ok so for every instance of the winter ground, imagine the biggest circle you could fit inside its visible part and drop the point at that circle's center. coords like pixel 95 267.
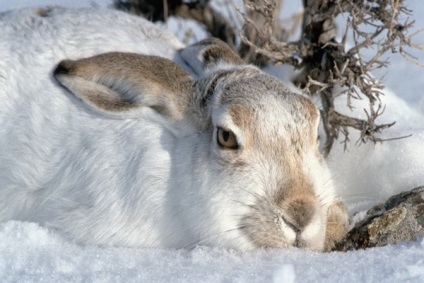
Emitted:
pixel 366 174
pixel 29 253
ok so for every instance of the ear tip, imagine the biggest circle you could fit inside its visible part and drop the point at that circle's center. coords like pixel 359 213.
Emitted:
pixel 63 68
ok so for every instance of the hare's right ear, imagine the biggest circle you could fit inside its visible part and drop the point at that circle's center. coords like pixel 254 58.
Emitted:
pixel 121 85
pixel 209 54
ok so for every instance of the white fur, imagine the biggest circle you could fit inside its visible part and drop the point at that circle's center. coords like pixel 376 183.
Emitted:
pixel 55 157
pixel 120 182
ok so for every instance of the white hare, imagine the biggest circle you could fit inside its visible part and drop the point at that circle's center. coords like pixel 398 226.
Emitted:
pixel 129 149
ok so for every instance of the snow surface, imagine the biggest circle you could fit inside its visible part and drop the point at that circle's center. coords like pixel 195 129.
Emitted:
pixel 30 253
pixel 367 174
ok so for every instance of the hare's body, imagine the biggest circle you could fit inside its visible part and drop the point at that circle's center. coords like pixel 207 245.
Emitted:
pixel 48 141
pixel 146 174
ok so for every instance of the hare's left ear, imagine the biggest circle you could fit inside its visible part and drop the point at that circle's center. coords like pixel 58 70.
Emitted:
pixel 122 84
pixel 209 54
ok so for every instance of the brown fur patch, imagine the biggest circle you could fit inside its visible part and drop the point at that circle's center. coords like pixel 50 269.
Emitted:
pixel 45 11
pixel 242 116
pixel 108 104
pixel 312 115
pixel 300 208
pixel 337 224
pixel 215 50
pixel 216 54
pixel 152 81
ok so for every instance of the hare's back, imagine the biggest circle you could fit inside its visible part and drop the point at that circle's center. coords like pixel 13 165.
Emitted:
pixel 33 41
pixel 43 129
pixel 82 32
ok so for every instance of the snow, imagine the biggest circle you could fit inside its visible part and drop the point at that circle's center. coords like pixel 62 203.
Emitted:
pixel 370 173
pixel 30 253
pixel 17 4
pixel 367 174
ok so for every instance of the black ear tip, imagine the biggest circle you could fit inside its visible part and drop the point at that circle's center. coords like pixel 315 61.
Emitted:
pixel 63 67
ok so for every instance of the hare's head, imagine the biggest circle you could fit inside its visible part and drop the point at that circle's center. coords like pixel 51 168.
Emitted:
pixel 248 171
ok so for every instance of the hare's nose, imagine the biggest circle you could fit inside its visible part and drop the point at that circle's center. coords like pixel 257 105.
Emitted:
pixel 299 213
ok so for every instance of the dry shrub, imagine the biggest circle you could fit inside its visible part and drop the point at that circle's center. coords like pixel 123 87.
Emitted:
pixel 326 63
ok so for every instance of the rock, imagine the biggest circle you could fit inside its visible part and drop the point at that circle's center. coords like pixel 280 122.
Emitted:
pixel 399 219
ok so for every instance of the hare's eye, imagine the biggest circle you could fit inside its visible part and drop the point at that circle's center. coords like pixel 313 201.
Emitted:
pixel 227 139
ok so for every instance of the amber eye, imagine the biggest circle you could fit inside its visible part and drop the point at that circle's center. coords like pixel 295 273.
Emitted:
pixel 227 139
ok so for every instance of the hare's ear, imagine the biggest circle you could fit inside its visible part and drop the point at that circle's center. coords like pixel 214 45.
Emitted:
pixel 121 85
pixel 208 54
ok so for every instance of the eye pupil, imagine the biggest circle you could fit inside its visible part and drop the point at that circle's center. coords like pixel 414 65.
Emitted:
pixel 226 139
pixel 225 135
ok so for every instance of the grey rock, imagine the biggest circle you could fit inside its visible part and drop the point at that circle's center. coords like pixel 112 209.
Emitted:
pixel 399 219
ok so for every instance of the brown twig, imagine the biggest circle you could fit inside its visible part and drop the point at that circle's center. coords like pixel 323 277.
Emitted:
pixel 326 64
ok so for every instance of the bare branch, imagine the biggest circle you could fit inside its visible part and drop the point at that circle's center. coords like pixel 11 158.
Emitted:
pixel 326 68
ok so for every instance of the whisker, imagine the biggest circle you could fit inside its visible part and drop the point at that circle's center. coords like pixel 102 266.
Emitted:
pixel 360 198
pixel 255 195
pixel 242 203
pixel 240 227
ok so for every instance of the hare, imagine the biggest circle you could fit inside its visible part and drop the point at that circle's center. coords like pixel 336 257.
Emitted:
pixel 114 133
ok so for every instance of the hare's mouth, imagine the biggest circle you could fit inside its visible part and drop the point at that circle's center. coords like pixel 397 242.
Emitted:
pixel 268 226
